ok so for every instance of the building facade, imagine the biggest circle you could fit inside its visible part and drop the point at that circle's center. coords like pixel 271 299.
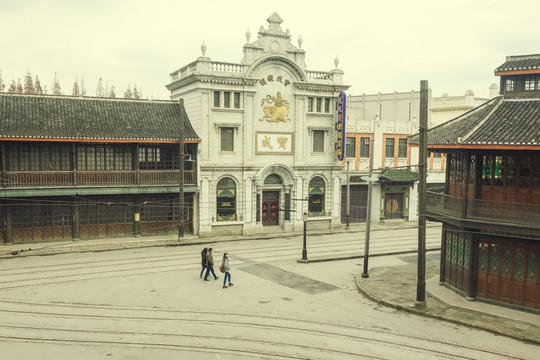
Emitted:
pixel 75 167
pixel 381 123
pixel 490 209
pixel 268 127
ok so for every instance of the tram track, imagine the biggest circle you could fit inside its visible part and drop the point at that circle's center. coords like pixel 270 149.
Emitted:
pixel 279 331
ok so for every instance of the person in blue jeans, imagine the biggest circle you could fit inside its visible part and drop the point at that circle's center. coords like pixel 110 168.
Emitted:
pixel 210 266
pixel 225 263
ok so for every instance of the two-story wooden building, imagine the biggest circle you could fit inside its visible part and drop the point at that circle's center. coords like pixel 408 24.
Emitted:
pixel 491 206
pixel 77 167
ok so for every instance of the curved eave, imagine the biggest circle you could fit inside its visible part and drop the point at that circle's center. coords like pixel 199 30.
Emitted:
pixel 483 146
pixel 98 140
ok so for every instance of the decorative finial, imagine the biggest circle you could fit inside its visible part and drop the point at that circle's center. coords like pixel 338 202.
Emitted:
pixel 300 41
pixel 261 29
pixel 203 49
pixel 248 35
pixel 336 61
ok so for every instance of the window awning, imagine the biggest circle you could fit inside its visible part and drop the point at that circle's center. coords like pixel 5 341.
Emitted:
pixel 225 192
pixel 316 190
pixel 399 175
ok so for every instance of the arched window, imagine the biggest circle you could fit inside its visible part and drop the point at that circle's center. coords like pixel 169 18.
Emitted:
pixel 226 200
pixel 316 197
pixel 273 179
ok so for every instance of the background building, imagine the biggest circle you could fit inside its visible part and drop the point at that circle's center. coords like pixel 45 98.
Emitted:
pixel 267 126
pixel 381 123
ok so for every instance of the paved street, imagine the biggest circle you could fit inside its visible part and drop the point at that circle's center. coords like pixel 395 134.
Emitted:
pixel 150 302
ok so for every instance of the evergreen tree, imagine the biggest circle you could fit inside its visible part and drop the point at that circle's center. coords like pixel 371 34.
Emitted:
pixel 45 89
pixel 75 91
pixel 56 90
pixel 19 87
pixel 37 86
pixel 135 92
pixel 112 94
pixel 2 84
pixel 29 84
pixel 128 94
pixel 99 88
pixel 12 87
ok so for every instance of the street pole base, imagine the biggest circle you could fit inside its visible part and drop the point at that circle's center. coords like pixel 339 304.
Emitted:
pixel 420 305
pixel 365 275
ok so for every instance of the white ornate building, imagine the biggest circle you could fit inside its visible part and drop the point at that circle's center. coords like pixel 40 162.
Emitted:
pixel 267 129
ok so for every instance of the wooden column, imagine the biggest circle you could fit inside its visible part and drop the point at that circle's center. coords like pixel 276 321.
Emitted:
pixel 76 223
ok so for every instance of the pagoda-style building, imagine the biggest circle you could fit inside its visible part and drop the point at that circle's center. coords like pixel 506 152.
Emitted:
pixel 490 208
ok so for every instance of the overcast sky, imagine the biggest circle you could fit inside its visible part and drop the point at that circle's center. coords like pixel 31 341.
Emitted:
pixel 382 45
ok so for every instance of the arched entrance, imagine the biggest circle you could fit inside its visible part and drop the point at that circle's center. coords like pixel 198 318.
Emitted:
pixel 274 184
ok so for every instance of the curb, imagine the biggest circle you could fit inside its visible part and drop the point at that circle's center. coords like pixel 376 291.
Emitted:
pixel 426 313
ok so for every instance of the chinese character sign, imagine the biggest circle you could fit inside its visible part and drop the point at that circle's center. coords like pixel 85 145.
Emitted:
pixel 340 125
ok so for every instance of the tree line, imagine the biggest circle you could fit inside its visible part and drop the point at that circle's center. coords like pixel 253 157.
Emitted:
pixel 33 86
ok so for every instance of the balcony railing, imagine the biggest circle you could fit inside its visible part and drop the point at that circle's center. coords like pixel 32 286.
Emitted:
pixel 483 210
pixel 24 179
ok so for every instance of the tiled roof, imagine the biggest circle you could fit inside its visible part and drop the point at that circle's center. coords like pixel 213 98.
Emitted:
pixel 513 122
pixel 399 175
pixel 517 63
pixel 84 118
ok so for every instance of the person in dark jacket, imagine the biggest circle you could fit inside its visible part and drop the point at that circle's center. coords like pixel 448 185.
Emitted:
pixel 203 260
pixel 227 268
pixel 210 265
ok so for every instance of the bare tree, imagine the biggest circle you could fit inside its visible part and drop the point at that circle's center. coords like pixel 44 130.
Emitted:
pixel 37 86
pixel 2 84
pixel 128 94
pixel 29 84
pixel 12 87
pixel 76 91
pixel 19 87
pixel 56 90
pixel 112 94
pixel 99 89
pixel 135 92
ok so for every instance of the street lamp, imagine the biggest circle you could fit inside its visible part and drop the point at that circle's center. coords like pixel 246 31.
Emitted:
pixel 304 250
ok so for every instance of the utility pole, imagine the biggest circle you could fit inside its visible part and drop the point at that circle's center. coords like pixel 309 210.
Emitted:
pixel 422 154
pixel 181 185
pixel 348 196
pixel 368 213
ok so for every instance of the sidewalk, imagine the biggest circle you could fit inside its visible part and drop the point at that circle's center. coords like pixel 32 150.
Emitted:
pixel 126 242
pixel 396 287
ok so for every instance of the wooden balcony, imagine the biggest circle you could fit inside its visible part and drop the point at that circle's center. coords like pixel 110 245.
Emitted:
pixel 444 207
pixel 59 179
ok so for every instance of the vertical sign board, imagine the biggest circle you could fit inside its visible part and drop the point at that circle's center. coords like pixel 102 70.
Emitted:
pixel 340 125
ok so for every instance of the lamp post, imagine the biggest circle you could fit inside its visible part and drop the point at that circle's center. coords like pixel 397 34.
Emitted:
pixel 304 250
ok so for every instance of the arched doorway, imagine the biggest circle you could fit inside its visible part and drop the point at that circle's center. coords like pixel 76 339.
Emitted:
pixel 270 200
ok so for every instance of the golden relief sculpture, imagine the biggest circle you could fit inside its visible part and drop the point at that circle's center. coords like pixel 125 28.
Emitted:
pixel 277 109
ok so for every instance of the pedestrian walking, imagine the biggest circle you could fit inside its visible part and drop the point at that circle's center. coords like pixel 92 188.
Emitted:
pixel 227 268
pixel 203 260
pixel 210 265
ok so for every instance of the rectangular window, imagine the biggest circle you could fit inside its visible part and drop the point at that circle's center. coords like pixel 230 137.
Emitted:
pixel 402 150
pixel 319 104
pixel 237 100
pixel 364 147
pixel 318 140
pixel 327 105
pixel 350 147
pixel 389 148
pixel 530 83
pixel 217 99
pixel 509 86
pixel 310 104
pixel 227 99
pixel 227 139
